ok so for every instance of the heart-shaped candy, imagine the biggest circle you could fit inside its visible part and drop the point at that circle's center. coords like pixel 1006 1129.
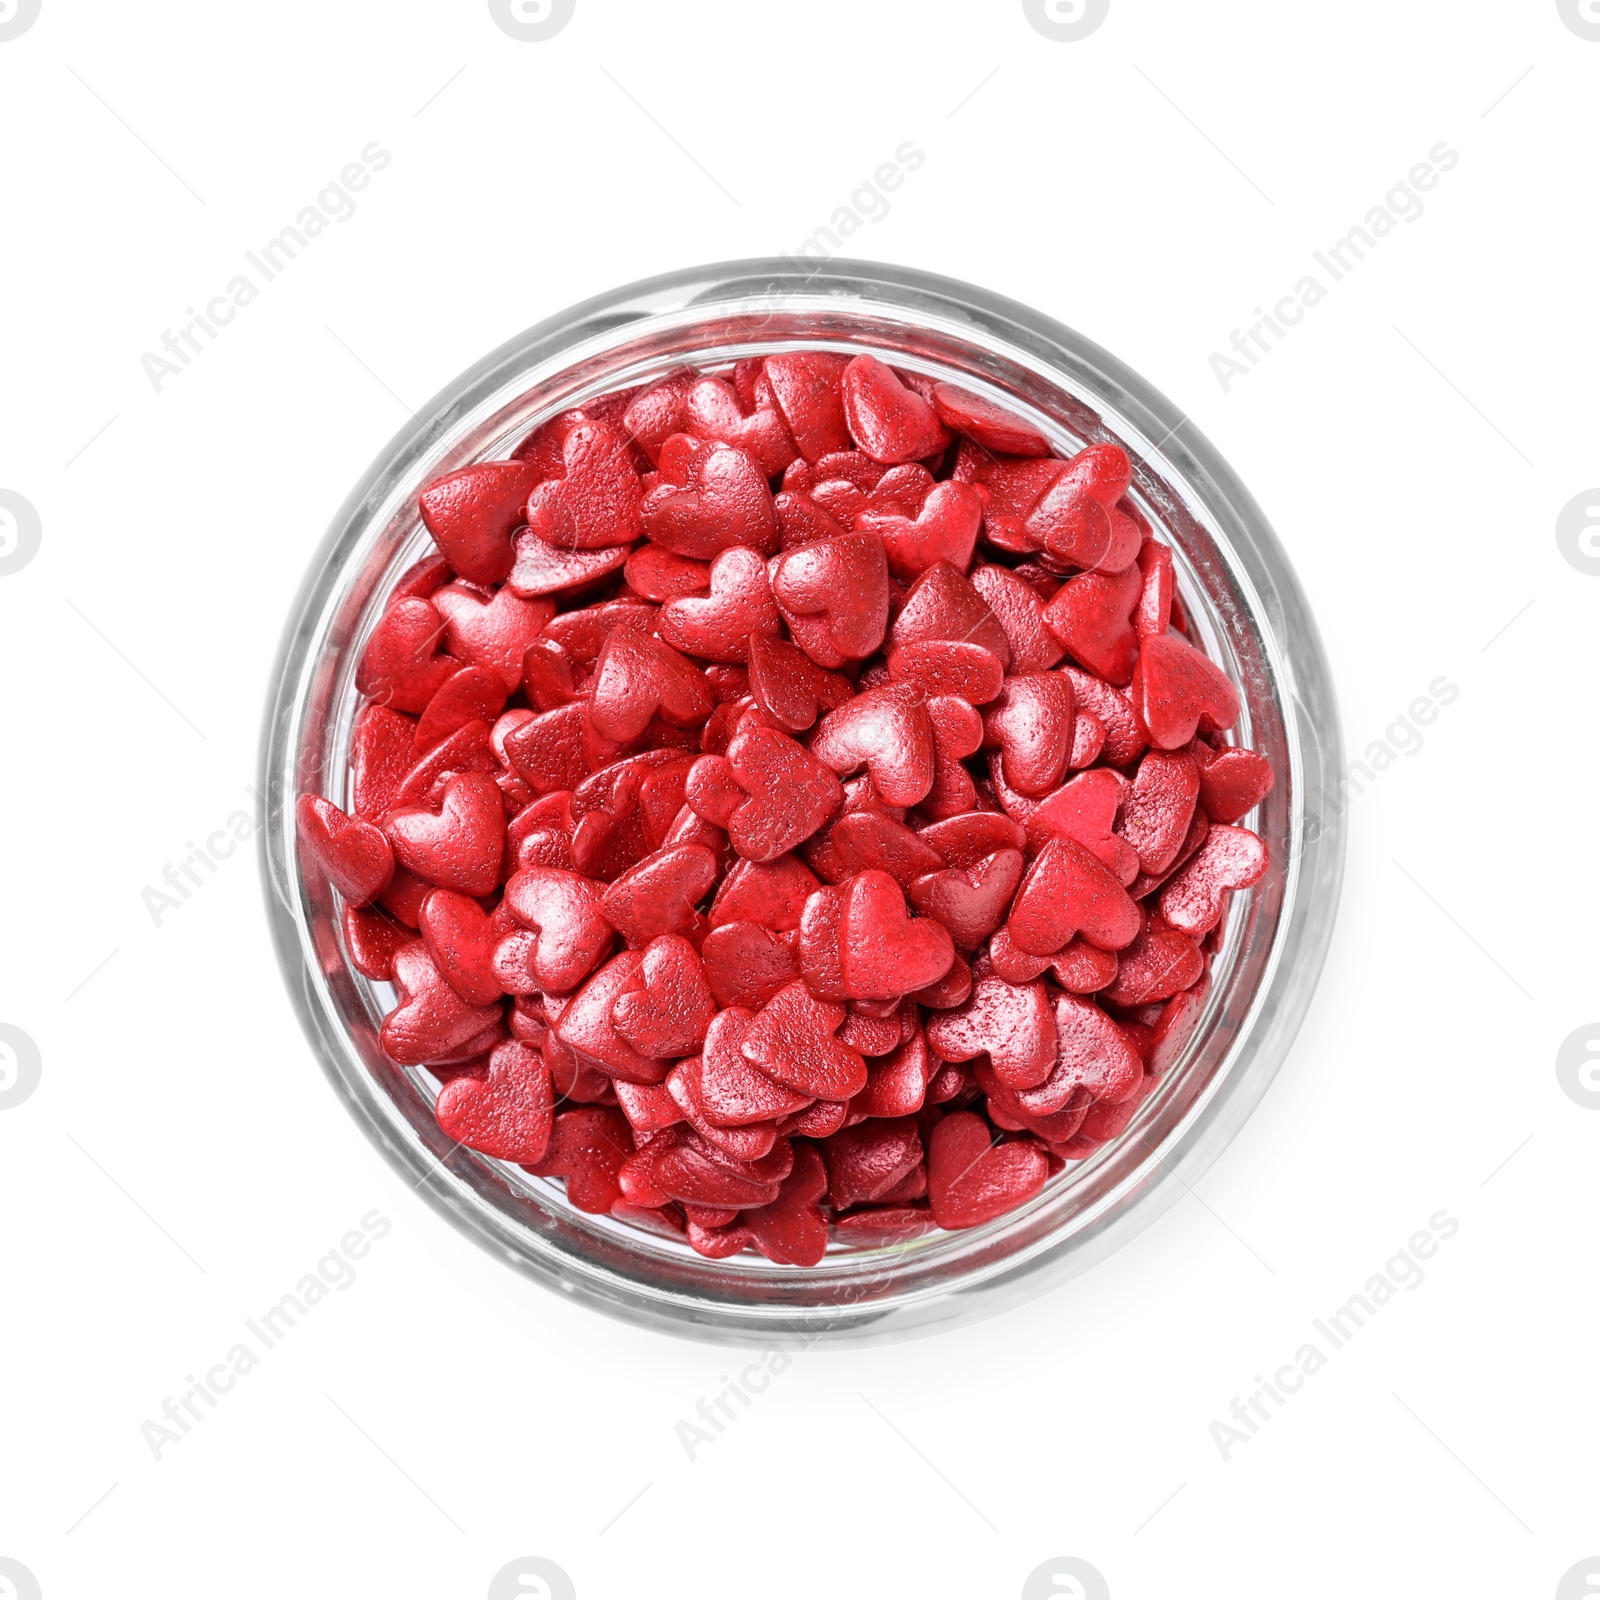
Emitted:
pixel 864 840
pixel 459 846
pixel 1233 782
pixel 886 730
pixel 790 793
pixel 897 1084
pixel 801 520
pixel 844 584
pixel 965 841
pixel 669 1015
pixel 658 574
pixel 947 667
pixel 1067 891
pixel 588 1028
pixel 890 422
pixel 432 1019
pixel 713 413
pixel 538 568
pixel 1032 724
pixel 1021 614
pixel 733 1091
pixel 474 694
pixel 461 937
pixel 1124 739
pixel 884 952
pixel 1086 809
pixel 1083 969
pixel 986 423
pixel 1193 898
pixel 723 500
pixel 1076 530
pixel 401 666
pixel 941 604
pixel 471 515
pixel 588 1146
pixel 1160 963
pixel 747 964
pixel 687 1174
pixel 788 685
pixel 944 528
pixel 1093 1053
pixel 1176 690
pixel 355 855
pixel 655 413
pixel 718 626
pixel 1091 615
pixel 1159 807
pixel 805 385
pixel 597 502
pixel 493 634
pixel 1153 614
pixel 1012 1023
pixel 507 1114
pixel 771 894
pixel 547 751
pixel 566 931
pixel 970 901
pixel 867 1161
pixel 382 752
pixel 974 1177
pixel 792 1230
pixel 372 940
pixel 792 1041
pixel 638 677
pixel 658 895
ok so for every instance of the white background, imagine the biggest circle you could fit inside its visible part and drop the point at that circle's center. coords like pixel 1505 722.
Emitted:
pixel 183 1163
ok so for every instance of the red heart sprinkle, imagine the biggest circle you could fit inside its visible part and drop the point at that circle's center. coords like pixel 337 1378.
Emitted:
pixel 431 1019
pixel 986 423
pixel 459 846
pixel 1193 898
pixel 596 503
pixel 884 952
pixel 354 854
pixel 471 515
pixel 1068 891
pixel 887 731
pixel 718 626
pixel 973 1178
pixel 722 501
pixel 461 937
pixel 507 1114
pixel 1012 1023
pixel 792 1041
pixel 842 582
pixel 1176 690
pixel 890 422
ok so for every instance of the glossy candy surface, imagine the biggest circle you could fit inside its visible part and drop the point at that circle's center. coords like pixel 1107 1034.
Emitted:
pixel 785 810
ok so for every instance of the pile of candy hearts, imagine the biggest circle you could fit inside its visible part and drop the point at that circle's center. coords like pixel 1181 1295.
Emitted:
pixel 789 807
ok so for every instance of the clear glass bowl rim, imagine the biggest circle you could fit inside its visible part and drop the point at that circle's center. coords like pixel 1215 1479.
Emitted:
pixel 750 1303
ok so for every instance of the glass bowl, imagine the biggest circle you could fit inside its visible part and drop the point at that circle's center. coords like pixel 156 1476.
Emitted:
pixel 1246 609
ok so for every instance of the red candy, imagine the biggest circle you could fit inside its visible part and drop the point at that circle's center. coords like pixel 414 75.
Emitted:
pixel 785 810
